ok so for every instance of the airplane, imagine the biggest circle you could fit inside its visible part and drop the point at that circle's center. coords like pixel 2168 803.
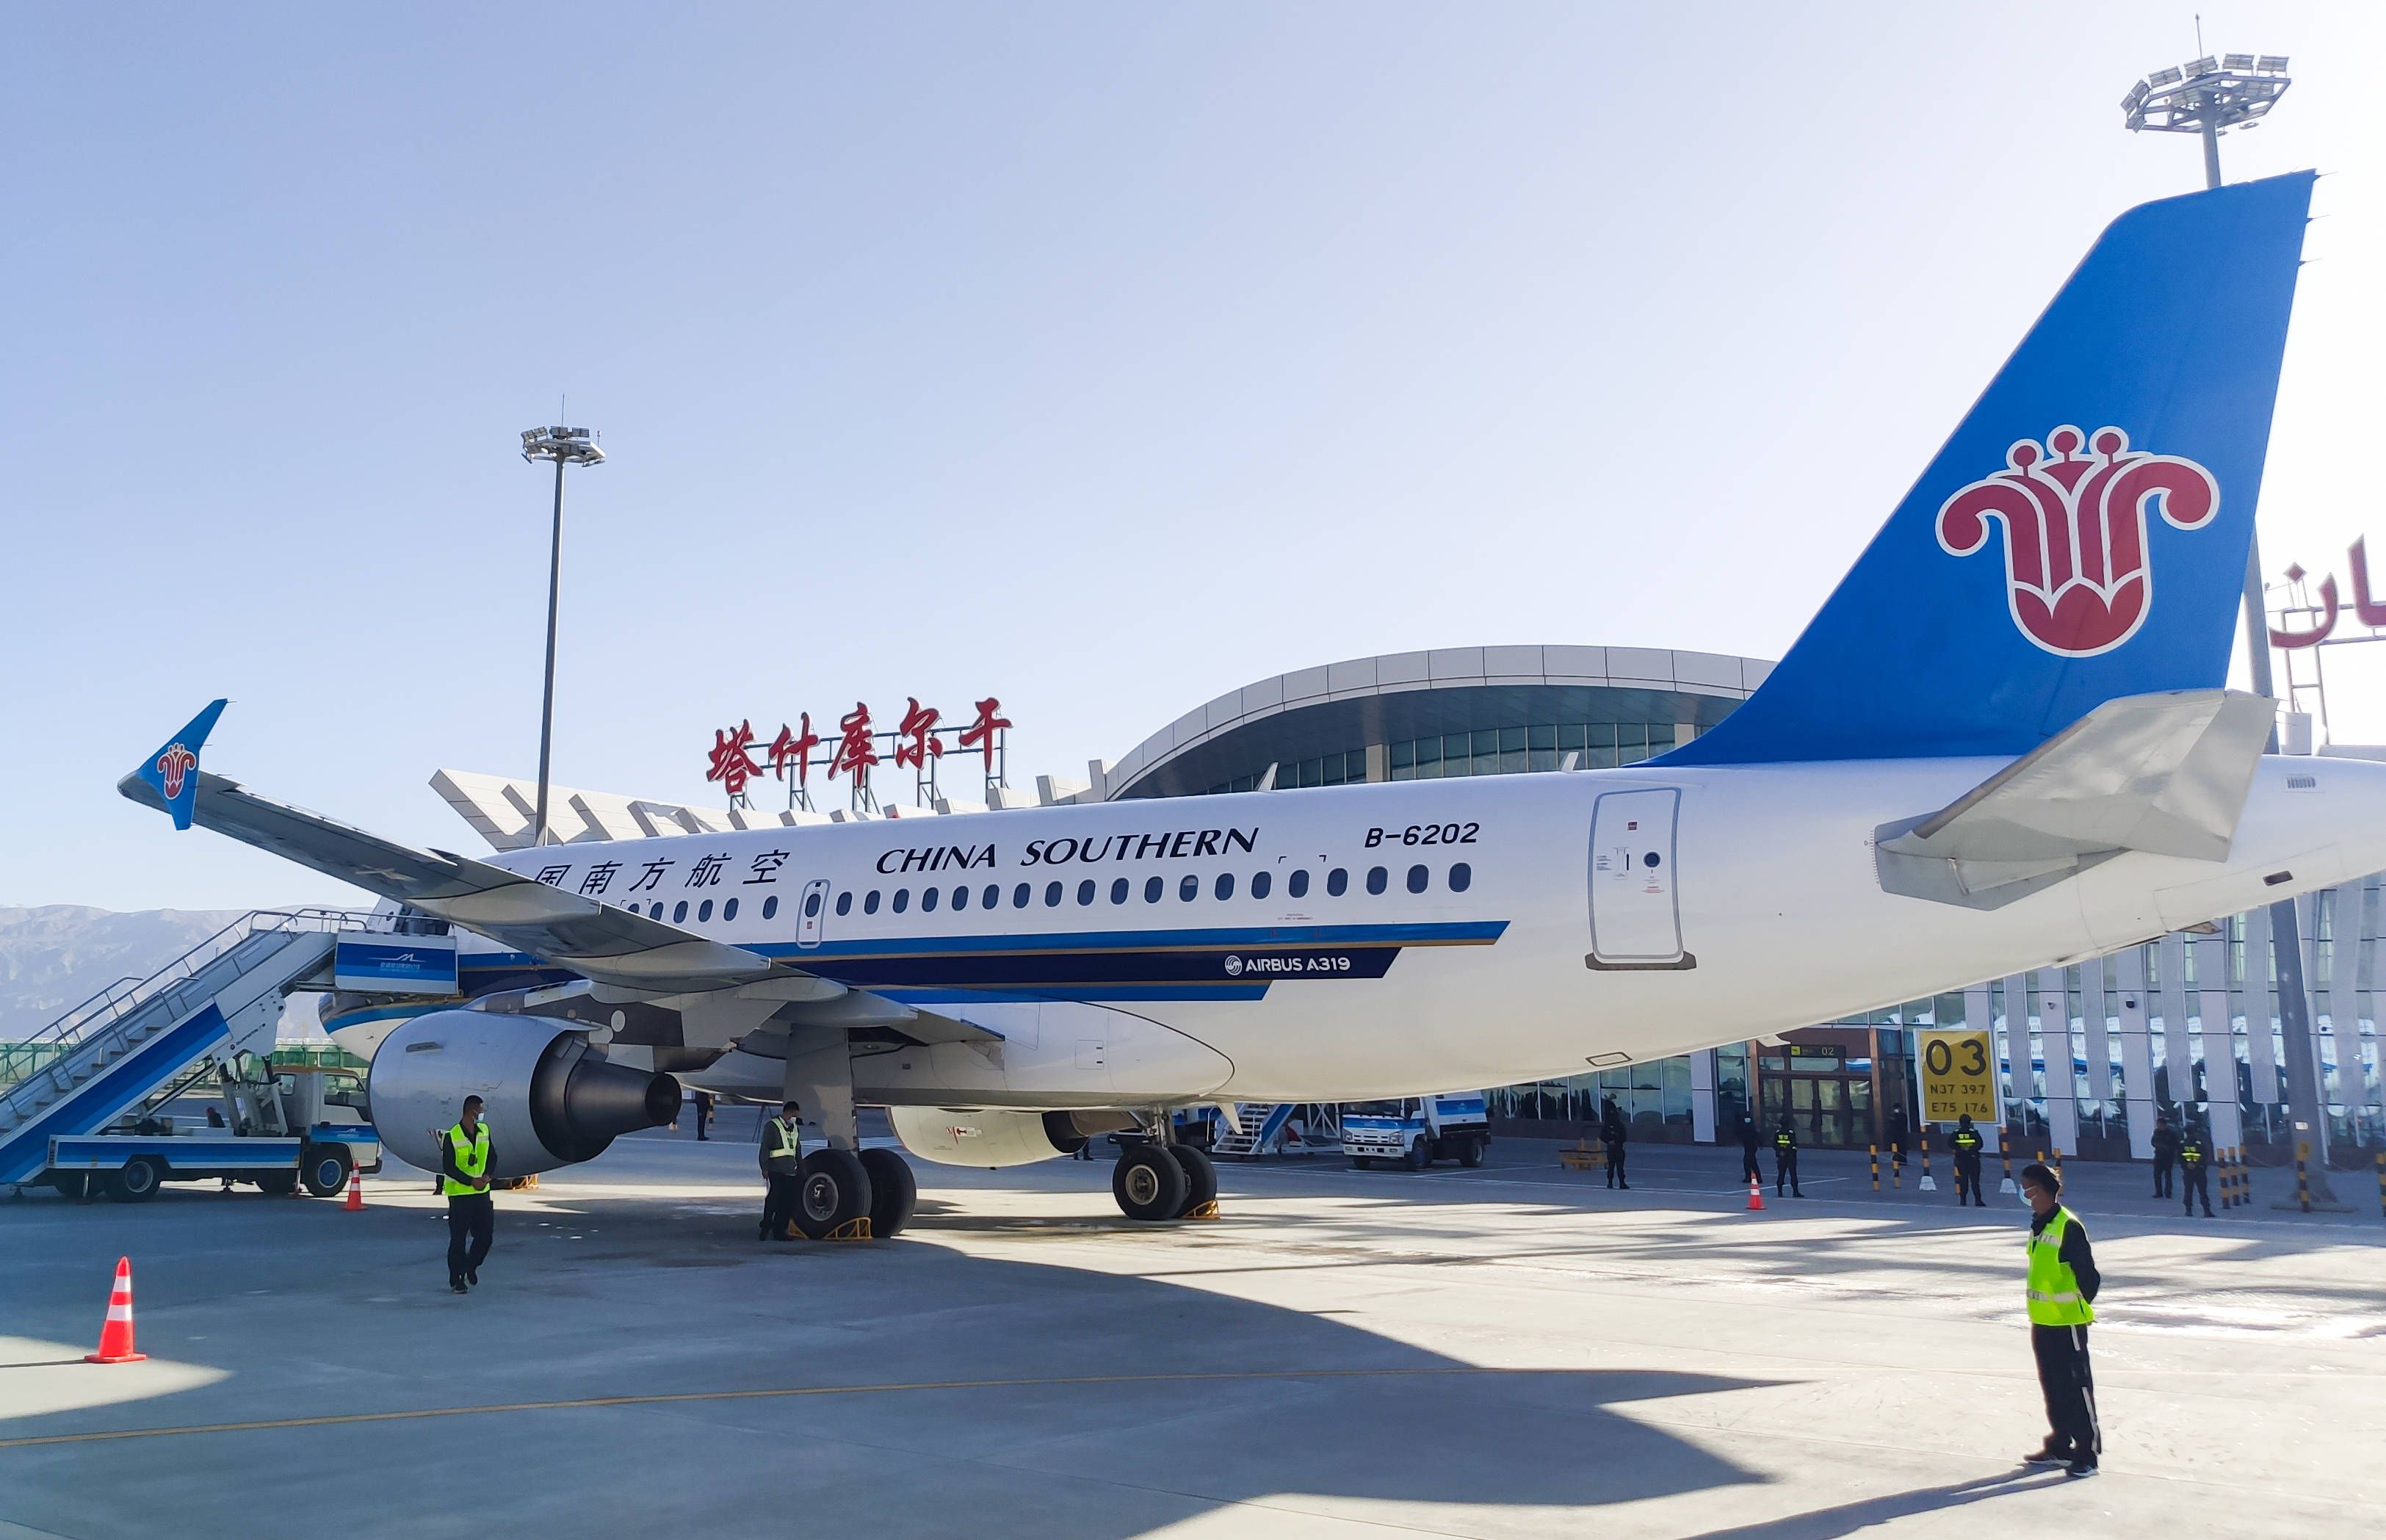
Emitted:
pixel 2004 743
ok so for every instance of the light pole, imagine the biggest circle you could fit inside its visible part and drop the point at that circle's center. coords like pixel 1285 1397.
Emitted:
pixel 564 446
pixel 2207 97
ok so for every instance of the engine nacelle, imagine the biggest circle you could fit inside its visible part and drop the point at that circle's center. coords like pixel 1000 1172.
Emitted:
pixel 990 1139
pixel 547 1097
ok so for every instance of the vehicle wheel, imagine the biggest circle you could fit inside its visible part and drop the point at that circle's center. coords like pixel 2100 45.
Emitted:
pixel 1419 1155
pixel 832 1188
pixel 324 1170
pixel 278 1183
pixel 1470 1153
pixel 1149 1183
pixel 1363 1163
pixel 894 1192
pixel 138 1181
pixel 1201 1177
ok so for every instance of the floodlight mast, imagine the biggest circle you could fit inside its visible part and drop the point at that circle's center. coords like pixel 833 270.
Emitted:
pixel 2208 96
pixel 564 446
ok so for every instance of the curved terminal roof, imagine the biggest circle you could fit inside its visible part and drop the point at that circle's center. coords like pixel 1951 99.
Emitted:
pixel 1338 707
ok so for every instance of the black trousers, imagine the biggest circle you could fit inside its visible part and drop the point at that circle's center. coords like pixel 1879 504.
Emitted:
pixel 2161 1176
pixel 471 1218
pixel 1785 1169
pixel 1615 1165
pixel 1968 1179
pixel 779 1204
pixel 2070 1391
pixel 2198 1184
pixel 1749 1170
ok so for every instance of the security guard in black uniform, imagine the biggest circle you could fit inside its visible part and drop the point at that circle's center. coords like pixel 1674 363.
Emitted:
pixel 1784 1158
pixel 2195 1173
pixel 782 1158
pixel 1968 1143
pixel 464 1178
pixel 1750 1140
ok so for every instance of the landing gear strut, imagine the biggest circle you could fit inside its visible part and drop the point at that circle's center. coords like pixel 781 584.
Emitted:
pixel 1163 1182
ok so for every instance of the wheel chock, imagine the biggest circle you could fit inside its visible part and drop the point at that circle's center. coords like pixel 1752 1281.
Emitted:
pixel 1207 1209
pixel 852 1230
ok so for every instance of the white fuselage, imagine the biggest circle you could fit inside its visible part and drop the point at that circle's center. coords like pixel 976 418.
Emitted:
pixel 1759 913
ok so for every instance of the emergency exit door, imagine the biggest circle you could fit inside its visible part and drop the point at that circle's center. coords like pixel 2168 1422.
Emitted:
pixel 1636 916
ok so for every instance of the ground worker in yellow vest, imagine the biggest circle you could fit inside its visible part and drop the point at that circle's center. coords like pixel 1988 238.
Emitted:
pixel 1968 1144
pixel 2195 1170
pixel 464 1177
pixel 782 1158
pixel 2062 1287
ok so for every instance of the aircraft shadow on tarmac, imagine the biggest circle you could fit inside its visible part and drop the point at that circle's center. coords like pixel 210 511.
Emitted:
pixel 1182 1395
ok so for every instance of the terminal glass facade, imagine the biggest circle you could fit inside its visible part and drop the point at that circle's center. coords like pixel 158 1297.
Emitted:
pixel 1535 746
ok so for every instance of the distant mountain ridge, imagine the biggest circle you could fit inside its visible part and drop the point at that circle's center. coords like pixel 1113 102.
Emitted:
pixel 55 956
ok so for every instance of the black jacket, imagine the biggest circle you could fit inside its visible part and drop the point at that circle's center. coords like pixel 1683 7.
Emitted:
pixel 1751 1139
pixel 2077 1254
pixel 447 1167
pixel 2166 1142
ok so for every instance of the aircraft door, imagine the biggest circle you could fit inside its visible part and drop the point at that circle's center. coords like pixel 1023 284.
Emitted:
pixel 1635 918
pixel 815 902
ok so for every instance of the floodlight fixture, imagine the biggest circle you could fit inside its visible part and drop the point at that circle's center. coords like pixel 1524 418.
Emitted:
pixel 2207 96
pixel 564 446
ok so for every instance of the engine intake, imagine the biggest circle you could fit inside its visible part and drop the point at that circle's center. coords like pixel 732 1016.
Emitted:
pixel 548 1099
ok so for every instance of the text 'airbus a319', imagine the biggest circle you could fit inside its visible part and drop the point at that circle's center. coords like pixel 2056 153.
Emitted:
pixel 2002 744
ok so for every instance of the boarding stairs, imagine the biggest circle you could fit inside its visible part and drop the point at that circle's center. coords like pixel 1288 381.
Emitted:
pixel 1264 1123
pixel 114 1052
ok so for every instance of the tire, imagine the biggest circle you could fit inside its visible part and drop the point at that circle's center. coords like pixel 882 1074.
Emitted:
pixel 832 1188
pixel 1470 1153
pixel 1420 1154
pixel 1149 1183
pixel 278 1183
pixel 324 1169
pixel 138 1181
pixel 894 1192
pixel 1201 1177
pixel 1363 1163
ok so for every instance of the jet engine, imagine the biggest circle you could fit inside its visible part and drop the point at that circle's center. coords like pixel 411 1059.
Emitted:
pixel 990 1139
pixel 547 1097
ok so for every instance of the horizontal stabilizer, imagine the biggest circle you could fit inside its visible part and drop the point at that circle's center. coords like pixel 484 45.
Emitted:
pixel 2165 773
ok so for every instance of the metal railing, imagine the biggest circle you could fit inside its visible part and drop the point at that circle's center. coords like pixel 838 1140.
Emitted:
pixel 50 1047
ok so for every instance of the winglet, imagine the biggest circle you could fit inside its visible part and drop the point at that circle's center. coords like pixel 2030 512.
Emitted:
pixel 173 771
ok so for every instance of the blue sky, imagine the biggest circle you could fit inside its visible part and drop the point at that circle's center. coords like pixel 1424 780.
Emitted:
pixel 1100 359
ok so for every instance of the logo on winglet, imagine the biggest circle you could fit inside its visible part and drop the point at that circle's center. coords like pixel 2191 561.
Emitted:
pixel 2077 578
pixel 173 764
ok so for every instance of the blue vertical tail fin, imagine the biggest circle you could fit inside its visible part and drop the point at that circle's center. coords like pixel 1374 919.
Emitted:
pixel 173 771
pixel 2084 532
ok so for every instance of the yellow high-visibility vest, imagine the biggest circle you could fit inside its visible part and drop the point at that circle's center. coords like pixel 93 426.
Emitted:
pixel 2055 1297
pixel 471 1151
pixel 787 1140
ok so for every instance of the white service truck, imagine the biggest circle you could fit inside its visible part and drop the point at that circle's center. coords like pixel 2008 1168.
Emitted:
pixel 1415 1132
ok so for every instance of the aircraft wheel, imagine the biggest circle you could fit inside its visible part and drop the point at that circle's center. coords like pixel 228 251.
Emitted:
pixel 894 1192
pixel 1201 1177
pixel 832 1188
pixel 1149 1183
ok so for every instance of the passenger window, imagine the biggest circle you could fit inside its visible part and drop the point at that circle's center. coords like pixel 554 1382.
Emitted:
pixel 927 900
pixel 1462 877
pixel 1190 888
pixel 903 899
pixel 729 910
pixel 679 911
pixel 1418 878
pixel 1224 888
pixel 703 911
pixel 1260 882
pixel 960 898
pixel 1019 897
pixel 771 905
pixel 1298 883
pixel 1152 890
pixel 811 907
pixel 1337 881
pixel 1118 890
pixel 843 904
pixel 1377 878
pixel 869 905
pixel 1051 896
pixel 1085 891
pixel 991 897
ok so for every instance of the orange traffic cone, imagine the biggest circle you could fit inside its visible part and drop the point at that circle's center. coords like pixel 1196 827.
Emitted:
pixel 356 1203
pixel 116 1337
pixel 1756 1198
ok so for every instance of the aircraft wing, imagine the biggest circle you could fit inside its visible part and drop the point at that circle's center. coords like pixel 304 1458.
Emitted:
pixel 2165 773
pixel 610 945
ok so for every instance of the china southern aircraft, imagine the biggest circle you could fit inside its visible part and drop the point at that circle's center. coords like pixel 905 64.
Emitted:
pixel 2003 744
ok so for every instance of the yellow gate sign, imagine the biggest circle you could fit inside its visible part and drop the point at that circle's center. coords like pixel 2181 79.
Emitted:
pixel 1958 1076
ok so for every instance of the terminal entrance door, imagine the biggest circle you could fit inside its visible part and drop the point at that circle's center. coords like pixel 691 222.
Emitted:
pixel 1829 1105
pixel 1635 918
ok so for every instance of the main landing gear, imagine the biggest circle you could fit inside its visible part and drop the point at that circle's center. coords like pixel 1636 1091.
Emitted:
pixel 1164 1181
pixel 835 1187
